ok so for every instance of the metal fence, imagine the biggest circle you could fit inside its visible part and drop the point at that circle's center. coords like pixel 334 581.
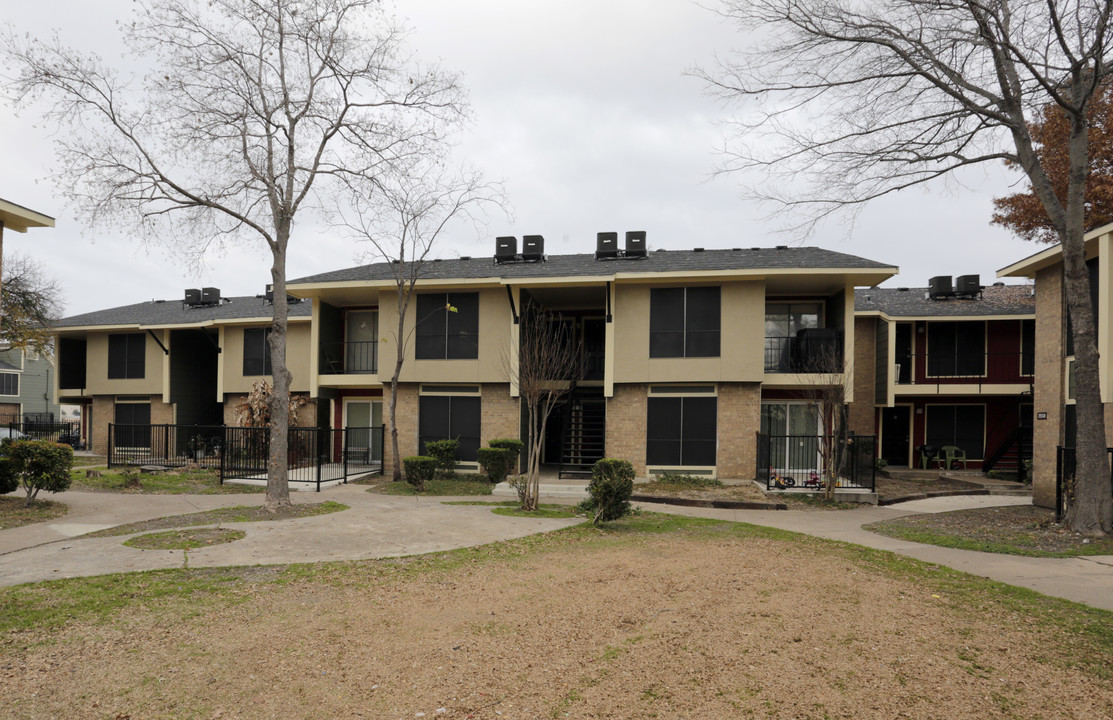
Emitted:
pixel 63 432
pixel 314 455
pixel 1064 478
pixel 797 461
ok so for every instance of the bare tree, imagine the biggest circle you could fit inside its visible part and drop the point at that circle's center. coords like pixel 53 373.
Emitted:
pixel 250 112
pixel 30 302
pixel 827 378
pixel 848 102
pixel 546 369
pixel 402 215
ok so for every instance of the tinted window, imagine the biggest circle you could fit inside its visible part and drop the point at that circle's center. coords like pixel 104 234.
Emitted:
pixel 956 349
pixel 126 356
pixel 256 351
pixel 9 384
pixel 684 322
pixel 443 417
pixel 447 326
pixel 959 425
pixel 681 431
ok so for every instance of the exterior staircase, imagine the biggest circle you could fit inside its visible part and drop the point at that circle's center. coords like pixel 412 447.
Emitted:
pixel 584 433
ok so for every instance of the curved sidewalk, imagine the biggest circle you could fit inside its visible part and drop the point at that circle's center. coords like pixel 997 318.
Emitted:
pixel 1087 580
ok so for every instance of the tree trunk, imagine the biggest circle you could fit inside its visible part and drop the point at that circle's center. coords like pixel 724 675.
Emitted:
pixel 399 358
pixel 1090 511
pixel 278 487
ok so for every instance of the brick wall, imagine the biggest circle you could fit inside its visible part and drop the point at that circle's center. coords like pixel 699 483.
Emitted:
pixel 738 421
pixel 104 413
pixel 626 425
pixel 861 413
pixel 500 413
pixel 1049 393
pixel 407 424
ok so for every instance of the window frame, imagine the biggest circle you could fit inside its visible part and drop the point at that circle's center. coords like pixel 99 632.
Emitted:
pixel 254 358
pixel 127 356
pixel 691 326
pixel 957 407
pixel 687 405
pixel 959 346
pixel 443 335
pixel 3 378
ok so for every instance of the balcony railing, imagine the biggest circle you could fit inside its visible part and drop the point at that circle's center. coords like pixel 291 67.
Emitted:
pixel 798 461
pixel 809 351
pixel 349 358
pixel 964 367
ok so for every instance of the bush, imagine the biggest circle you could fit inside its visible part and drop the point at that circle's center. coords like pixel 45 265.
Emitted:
pixel 514 445
pixel 35 464
pixel 880 463
pixel 418 469
pixel 495 462
pixel 612 483
pixel 444 453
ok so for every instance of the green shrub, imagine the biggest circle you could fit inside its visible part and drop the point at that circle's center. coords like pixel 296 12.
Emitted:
pixel 418 469
pixel 35 464
pixel 674 478
pixel 514 445
pixel 880 463
pixel 443 452
pixel 495 462
pixel 612 483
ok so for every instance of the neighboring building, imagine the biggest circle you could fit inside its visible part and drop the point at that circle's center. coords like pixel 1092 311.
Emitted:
pixel 174 362
pixel 946 366
pixel 1056 423
pixel 26 387
pixel 20 219
pixel 689 353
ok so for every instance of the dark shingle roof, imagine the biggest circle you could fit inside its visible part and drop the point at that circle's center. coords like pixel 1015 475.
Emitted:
pixel 914 302
pixel 587 265
pixel 156 313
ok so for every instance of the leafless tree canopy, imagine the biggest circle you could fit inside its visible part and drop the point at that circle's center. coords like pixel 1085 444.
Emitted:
pixel 250 113
pixel 843 101
pixel 30 303
pixel 860 99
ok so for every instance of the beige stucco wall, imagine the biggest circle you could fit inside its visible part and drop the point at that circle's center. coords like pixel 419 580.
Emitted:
pixel 96 363
pixel 495 327
pixel 741 355
pixel 298 347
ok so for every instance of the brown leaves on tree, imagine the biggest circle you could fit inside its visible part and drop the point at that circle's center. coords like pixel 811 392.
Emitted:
pixel 1023 213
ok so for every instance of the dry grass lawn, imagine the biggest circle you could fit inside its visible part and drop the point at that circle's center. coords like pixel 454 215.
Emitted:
pixel 711 621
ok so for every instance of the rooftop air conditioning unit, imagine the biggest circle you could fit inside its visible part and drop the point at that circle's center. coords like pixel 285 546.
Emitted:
pixel 193 297
pixel 968 285
pixel 606 245
pixel 506 249
pixel 635 243
pixel 210 296
pixel 940 287
pixel 533 247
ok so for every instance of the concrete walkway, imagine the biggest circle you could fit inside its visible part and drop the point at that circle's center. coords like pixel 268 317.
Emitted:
pixel 384 526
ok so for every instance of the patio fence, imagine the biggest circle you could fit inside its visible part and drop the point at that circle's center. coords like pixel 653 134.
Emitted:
pixel 1064 478
pixel 314 455
pixel 63 432
pixel 797 461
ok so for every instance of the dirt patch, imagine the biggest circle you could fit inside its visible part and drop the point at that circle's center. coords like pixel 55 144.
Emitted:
pixel 1017 530
pixel 13 514
pixel 223 515
pixel 185 539
pixel 670 626
pixel 891 487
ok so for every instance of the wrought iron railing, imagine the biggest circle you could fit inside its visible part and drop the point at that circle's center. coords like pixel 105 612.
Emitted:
pixel 314 455
pixel 814 461
pixel 63 432
pixel 349 358
pixel 965 367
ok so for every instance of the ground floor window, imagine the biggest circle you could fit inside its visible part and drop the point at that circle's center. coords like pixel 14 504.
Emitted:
pixel 793 430
pixel 681 431
pixel 443 417
pixel 133 421
pixel 960 425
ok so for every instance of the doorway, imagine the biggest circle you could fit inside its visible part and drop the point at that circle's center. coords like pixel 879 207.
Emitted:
pixel 896 434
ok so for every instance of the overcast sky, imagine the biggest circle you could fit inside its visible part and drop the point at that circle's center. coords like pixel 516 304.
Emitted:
pixel 583 108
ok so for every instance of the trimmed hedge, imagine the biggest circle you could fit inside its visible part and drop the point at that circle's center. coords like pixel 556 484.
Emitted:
pixel 443 452
pixel 418 469
pixel 612 483
pixel 495 462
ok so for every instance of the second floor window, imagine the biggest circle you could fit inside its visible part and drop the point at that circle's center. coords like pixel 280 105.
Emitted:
pixel 447 326
pixel 9 384
pixel 127 355
pixel 256 351
pixel 684 322
pixel 956 349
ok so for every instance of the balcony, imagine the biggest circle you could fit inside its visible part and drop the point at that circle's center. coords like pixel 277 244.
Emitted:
pixel 350 358
pixel 965 368
pixel 813 350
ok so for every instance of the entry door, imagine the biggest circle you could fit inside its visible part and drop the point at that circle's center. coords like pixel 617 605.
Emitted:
pixel 896 425
pixel 364 417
